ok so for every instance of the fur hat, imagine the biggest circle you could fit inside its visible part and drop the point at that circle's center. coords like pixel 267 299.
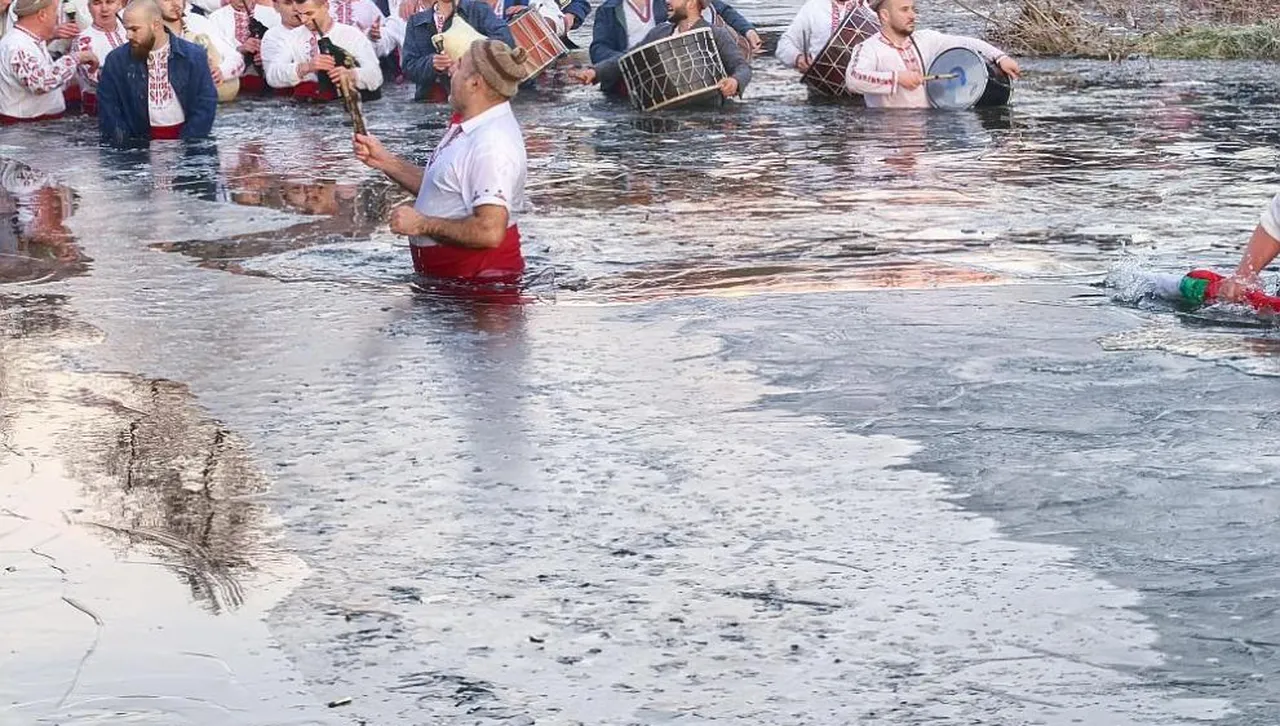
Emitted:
pixel 500 66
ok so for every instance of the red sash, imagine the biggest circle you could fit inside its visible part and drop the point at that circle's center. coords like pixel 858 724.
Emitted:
pixel 252 84
pixel 503 263
pixel 71 95
pixel 166 133
pixel 10 120
pixel 89 103
pixel 310 91
pixel 437 93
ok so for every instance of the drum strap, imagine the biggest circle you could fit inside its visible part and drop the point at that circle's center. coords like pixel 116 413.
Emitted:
pixel 919 55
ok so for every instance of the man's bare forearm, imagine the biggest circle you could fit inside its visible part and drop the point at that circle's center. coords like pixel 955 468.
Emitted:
pixel 475 232
pixel 405 174
pixel 1261 251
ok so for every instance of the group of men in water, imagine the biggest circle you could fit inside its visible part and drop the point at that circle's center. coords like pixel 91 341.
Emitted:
pixel 156 69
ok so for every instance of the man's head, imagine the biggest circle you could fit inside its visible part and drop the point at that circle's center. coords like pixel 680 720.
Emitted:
pixel 37 16
pixel 678 11
pixel 171 11
pixel 143 26
pixel 487 74
pixel 104 12
pixel 314 13
pixel 898 16
pixel 288 10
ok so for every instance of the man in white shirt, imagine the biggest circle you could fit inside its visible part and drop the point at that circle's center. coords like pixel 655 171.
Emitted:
pixel 277 50
pixel 889 68
pixel 810 30
pixel 31 82
pixel 243 24
pixel 322 46
pixel 225 63
pixel 1263 247
pixel 462 225
pixel 103 36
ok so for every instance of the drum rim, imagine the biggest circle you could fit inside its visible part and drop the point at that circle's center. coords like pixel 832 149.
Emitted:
pixel 562 51
pixel 983 62
pixel 682 97
pixel 668 39
pixel 806 76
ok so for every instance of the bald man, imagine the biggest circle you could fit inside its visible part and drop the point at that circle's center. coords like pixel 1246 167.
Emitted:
pixel 157 87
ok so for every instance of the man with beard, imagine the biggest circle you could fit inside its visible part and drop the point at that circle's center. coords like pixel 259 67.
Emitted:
pixel 31 82
pixel 462 225
pixel 158 86
pixel 889 68
pixel 683 16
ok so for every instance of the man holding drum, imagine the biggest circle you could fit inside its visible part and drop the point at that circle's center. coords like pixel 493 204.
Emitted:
pixel 462 225
pixel 810 30
pixel 889 68
pixel 683 16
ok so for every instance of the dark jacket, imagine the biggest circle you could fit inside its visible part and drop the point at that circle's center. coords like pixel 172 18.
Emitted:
pixel 609 34
pixel 579 9
pixel 609 74
pixel 418 53
pixel 123 115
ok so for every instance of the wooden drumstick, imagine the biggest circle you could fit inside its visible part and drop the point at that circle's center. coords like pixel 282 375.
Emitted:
pixel 942 77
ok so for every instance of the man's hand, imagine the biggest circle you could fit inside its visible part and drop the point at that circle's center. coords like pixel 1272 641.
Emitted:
pixel 757 45
pixel 405 220
pixel 251 45
pixel 569 20
pixel 1234 288
pixel 342 76
pixel 909 80
pixel 1010 67
pixel 322 63
pixel 585 76
pixel 372 153
pixel 66 31
pixel 217 75
pixel 442 63
pixel 804 63
pixel 87 59
pixel 728 86
pixel 407 9
pixel 513 10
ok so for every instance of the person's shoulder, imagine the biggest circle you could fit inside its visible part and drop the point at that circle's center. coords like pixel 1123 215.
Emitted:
pixel 222 12
pixel 117 57
pixel 422 17
pixel 609 5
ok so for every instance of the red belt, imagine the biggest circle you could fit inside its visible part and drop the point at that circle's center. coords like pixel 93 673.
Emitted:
pixel 503 263
pixel 252 84
pixel 166 133
pixel 71 94
pixel 89 103
pixel 311 91
pixel 9 120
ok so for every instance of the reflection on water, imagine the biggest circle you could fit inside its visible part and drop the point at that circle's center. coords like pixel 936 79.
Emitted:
pixel 35 243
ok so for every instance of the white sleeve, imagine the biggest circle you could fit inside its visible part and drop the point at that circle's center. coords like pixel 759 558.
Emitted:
pixel 369 74
pixel 1271 218
pixel 791 42
pixel 226 30
pixel 939 42
pixel 280 61
pixel 232 65
pixel 490 178
pixel 863 74
pixel 395 28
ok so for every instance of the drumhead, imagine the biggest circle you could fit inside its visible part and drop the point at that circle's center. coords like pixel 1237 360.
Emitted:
pixel 966 88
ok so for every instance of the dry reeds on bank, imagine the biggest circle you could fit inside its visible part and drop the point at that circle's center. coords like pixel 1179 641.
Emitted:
pixel 1114 29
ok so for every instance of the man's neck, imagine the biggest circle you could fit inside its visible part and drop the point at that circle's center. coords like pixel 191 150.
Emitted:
pixel 162 42
pixel 109 26
pixel 174 26
pixel 479 107
pixel 32 29
pixel 895 37
pixel 685 24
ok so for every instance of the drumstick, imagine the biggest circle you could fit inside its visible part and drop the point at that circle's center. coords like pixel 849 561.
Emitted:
pixel 942 77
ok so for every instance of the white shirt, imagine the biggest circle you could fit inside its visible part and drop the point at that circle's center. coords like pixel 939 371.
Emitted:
pixel 280 57
pixel 83 19
pixel 638 26
pixel 31 82
pixel 1271 218
pixel 231 63
pixel 364 15
pixel 99 42
pixel 233 26
pixel 876 62
pixel 163 108
pixel 811 28
pixel 479 161
pixel 305 45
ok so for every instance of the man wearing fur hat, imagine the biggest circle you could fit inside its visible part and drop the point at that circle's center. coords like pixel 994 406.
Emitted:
pixel 31 82
pixel 462 225
pixel 682 17
pixel 889 68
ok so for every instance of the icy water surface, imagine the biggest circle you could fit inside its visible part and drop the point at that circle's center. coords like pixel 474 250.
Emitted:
pixel 811 416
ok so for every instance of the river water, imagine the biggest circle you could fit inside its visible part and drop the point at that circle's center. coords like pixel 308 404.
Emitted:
pixel 806 415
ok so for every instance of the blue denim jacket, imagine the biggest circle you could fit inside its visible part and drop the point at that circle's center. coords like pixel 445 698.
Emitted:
pixel 123 113
pixel 609 34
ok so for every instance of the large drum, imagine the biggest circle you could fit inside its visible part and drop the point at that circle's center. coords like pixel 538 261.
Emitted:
pixel 677 70
pixel 826 75
pixel 968 80
pixel 539 41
